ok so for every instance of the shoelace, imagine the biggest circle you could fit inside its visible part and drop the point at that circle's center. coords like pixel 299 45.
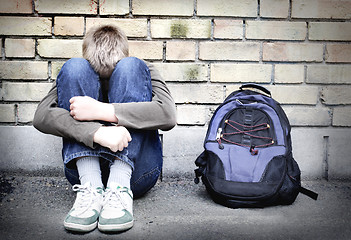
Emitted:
pixel 86 196
pixel 113 198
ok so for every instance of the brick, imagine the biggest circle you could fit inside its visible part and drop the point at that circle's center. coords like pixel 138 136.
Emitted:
pixel 339 166
pixel 180 28
pixel 329 74
pixel 25 148
pixel 236 73
pixel 23 6
pixel 228 29
pixel 293 52
pixel 55 69
pixel 66 6
pixel 332 31
pixel 26 112
pixel 195 93
pixel 242 51
pixel 182 72
pixel 308 116
pixel 27 26
pixel 295 94
pixel 163 7
pixel 321 9
pixel 24 91
pixel 180 50
pixel 341 117
pixel 228 89
pixel 340 53
pixel 59 48
pixel 229 8
pixel 69 26
pixel 178 164
pixel 36 70
pixel 131 27
pixel 309 150
pixel 23 48
pixel 151 50
pixel 191 115
pixel 7 113
pixel 276 30
pixel 336 95
pixel 292 94
pixel 113 7
pixel 289 73
pixel 274 8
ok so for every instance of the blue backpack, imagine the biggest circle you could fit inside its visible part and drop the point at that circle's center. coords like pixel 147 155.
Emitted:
pixel 248 161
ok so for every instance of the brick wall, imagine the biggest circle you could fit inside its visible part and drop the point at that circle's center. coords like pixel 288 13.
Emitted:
pixel 299 49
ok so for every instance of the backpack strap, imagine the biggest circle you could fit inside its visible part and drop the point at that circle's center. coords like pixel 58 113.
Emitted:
pixel 256 86
pixel 201 163
pixel 308 193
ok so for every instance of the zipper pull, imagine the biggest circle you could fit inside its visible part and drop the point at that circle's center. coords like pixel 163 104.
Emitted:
pixel 253 151
pixel 237 100
pixel 219 132
pixel 218 138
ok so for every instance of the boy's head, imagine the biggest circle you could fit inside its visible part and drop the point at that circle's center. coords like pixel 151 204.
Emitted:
pixel 103 47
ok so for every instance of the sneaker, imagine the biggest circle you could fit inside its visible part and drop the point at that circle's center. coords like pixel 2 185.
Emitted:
pixel 86 209
pixel 117 212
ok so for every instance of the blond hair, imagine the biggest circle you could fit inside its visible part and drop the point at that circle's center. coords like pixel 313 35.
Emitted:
pixel 103 47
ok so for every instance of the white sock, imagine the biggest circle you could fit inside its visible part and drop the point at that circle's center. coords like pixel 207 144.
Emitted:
pixel 120 173
pixel 89 171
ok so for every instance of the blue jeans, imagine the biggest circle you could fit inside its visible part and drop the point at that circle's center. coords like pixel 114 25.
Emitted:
pixel 129 82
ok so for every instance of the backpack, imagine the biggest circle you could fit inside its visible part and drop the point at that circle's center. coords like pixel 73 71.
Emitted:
pixel 248 160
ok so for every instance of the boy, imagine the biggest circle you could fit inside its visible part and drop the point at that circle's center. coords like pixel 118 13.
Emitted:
pixel 107 107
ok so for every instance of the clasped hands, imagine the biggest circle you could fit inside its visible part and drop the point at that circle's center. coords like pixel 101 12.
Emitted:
pixel 84 108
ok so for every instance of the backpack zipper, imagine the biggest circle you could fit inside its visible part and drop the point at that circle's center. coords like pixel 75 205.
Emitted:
pixel 218 138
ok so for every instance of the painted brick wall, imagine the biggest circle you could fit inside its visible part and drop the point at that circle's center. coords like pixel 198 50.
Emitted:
pixel 299 49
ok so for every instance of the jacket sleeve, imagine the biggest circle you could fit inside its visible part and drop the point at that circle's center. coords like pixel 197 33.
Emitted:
pixel 51 119
pixel 160 113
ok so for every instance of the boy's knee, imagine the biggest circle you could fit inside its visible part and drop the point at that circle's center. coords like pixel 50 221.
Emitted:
pixel 74 70
pixel 130 63
pixel 76 65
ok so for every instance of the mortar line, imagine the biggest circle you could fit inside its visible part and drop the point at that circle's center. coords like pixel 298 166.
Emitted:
pixel 195 9
pixel 244 30
pixel 325 158
pixel 273 75
pixel 164 53
pixel 148 34
pixel 130 8
pixel 212 30
pixel 16 114
pixel 3 49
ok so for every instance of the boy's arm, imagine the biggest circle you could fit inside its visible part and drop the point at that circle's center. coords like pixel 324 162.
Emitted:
pixel 157 114
pixel 51 119
pixel 160 113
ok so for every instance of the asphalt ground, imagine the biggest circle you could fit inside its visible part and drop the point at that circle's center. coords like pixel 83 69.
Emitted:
pixel 35 207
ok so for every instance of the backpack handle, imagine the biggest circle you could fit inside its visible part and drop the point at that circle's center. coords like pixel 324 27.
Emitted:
pixel 259 87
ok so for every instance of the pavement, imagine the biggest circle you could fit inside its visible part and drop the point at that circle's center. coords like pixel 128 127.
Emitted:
pixel 33 207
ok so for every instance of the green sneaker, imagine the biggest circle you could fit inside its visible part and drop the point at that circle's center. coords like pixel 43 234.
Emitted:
pixel 86 209
pixel 117 211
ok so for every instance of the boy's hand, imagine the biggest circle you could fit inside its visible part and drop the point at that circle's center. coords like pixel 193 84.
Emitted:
pixel 84 108
pixel 115 138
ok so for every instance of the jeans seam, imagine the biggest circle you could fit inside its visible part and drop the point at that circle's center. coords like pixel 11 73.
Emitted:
pixel 142 177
